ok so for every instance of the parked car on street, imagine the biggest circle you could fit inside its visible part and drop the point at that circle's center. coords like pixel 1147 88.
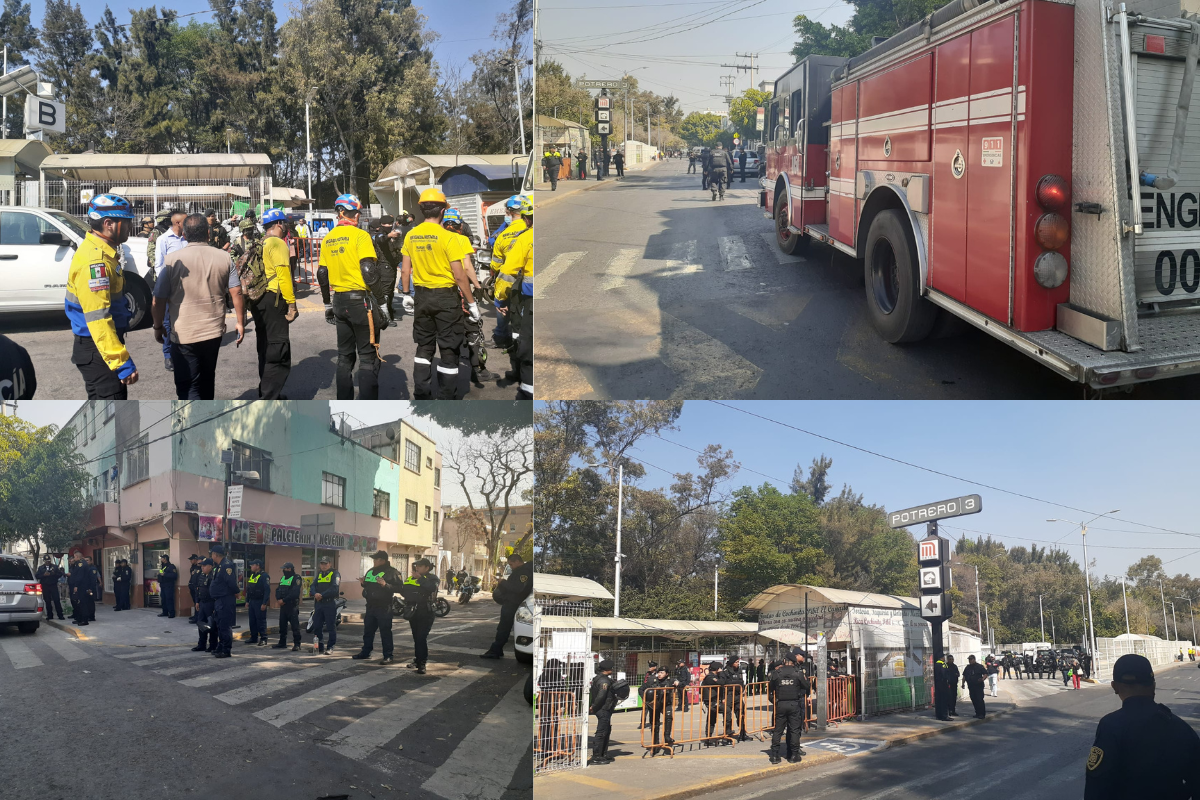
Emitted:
pixel 523 632
pixel 21 601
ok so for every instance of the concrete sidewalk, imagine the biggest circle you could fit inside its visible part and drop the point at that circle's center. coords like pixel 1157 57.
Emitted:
pixel 696 770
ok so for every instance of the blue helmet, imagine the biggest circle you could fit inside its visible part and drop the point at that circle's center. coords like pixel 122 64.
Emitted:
pixel 452 215
pixel 109 205
pixel 349 202
pixel 272 216
pixel 513 203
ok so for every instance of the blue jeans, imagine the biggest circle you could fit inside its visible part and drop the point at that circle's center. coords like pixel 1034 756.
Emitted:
pixel 166 331
pixel 258 619
pixel 325 615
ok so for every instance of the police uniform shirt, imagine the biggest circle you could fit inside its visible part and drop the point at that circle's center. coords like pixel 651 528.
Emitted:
pixel 419 591
pixel 327 584
pixel 604 700
pixel 168 574
pixel 217 236
pixel 224 580
pixel 47 573
pixel 258 585
pixel 278 268
pixel 288 589
pixel 504 242
pixel 787 684
pixel 95 302
pixel 341 251
pixel 376 595
pixel 1143 750
pixel 203 582
pixel 430 249
pixel 193 573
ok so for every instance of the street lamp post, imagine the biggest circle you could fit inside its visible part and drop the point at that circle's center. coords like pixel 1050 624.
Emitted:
pixel 1171 603
pixel 617 575
pixel 978 621
pixel 1193 616
pixel 1087 573
pixel 1042 617
pixel 1163 597
pixel 308 156
pixel 1053 638
pixel 1123 600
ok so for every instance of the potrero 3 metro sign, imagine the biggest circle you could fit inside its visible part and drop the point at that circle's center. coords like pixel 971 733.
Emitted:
pixel 956 507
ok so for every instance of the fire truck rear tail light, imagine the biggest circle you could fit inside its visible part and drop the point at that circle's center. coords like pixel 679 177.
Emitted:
pixel 1110 378
pixel 1050 270
pixel 1145 373
pixel 1051 231
pixel 1052 193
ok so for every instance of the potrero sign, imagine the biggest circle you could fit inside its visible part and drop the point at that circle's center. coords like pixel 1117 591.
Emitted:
pixel 956 507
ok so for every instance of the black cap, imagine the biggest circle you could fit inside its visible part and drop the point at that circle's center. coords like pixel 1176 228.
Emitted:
pixel 681 661
pixel 386 219
pixel 652 664
pixel 423 562
pixel 604 665
pixel 210 212
pixel 714 666
pixel 289 565
pixel 324 560
pixel 208 562
pixel 193 557
pixel 1133 669
pixel 380 554
pixel 256 561
pixel 45 558
pixel 217 548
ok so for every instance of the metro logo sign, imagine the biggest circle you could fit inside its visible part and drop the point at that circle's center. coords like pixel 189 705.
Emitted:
pixel 929 550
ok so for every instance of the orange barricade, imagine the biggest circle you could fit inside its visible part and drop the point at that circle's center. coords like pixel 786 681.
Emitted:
pixel 559 728
pixel 306 252
pixel 663 726
pixel 841 698
pixel 760 711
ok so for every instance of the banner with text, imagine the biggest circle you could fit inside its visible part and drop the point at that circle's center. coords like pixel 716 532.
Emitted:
pixel 247 531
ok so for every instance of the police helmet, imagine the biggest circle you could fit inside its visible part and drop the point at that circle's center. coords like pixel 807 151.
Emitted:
pixel 273 216
pixel 109 206
pixel 348 202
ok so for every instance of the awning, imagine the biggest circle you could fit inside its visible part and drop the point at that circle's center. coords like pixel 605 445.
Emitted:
pixel 467 179
pixel 567 586
pixel 129 192
pixel 170 166
pixel 628 626
pixel 27 154
pixel 785 636
pixel 825 595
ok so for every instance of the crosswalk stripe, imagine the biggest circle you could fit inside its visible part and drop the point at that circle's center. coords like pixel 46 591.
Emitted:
pixel 253 690
pixel 65 649
pixel 358 739
pixel 296 708
pixel 549 276
pixel 19 654
pixel 239 672
pixel 682 260
pixel 139 653
pixel 733 253
pixel 482 766
pixel 176 656
pixel 619 266
pixel 203 661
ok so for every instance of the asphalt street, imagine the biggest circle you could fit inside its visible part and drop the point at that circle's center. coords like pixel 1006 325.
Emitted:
pixel 1036 752
pixel 649 289
pixel 89 718
pixel 48 338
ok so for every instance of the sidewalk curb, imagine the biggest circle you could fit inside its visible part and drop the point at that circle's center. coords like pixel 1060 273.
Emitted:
pixel 71 629
pixel 538 203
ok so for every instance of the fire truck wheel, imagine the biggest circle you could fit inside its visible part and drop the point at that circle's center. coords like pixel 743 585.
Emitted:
pixel 791 244
pixel 892 275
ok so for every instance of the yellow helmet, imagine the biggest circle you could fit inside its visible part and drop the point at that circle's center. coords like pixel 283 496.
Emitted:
pixel 432 195
pixel 526 206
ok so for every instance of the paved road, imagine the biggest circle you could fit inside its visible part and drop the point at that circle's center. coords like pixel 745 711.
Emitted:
pixel 1036 752
pixel 48 338
pixel 167 722
pixel 648 289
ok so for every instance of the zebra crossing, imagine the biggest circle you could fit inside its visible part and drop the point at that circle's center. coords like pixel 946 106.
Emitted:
pixel 47 649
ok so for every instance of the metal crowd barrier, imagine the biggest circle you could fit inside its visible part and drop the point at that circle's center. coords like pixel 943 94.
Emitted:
pixel 841 698
pixel 559 727
pixel 714 716
pixel 307 252
pixel 760 711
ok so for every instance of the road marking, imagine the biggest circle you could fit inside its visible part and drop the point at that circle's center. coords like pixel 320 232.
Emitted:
pixel 261 688
pixel 733 253
pixel 555 374
pixel 164 659
pixel 296 708
pixel 619 266
pixel 65 649
pixel 482 766
pixel 682 260
pixel 361 737
pixel 19 654
pixel 237 673
pixel 549 276
pixel 924 780
pixel 780 256
pixel 707 369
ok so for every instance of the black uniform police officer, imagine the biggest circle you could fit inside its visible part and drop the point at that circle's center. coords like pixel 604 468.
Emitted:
pixel 205 628
pixel 223 589
pixel 420 589
pixel 326 589
pixel 122 584
pixel 258 599
pixel 47 575
pixel 510 593
pixel 168 578
pixel 787 689
pixel 287 592
pixel 193 579
pixel 379 584
pixel 1141 749
pixel 604 701
pixel 711 696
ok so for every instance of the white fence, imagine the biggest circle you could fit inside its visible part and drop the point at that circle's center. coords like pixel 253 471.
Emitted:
pixel 563 671
pixel 1158 651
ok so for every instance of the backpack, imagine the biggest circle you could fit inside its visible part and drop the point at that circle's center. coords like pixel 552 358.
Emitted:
pixel 252 272
pixel 620 688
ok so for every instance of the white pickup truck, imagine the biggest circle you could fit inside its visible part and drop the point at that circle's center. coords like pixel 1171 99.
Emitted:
pixel 36 248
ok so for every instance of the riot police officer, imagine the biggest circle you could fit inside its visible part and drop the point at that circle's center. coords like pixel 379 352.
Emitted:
pixel 223 590
pixel 326 589
pixel 684 676
pixel 168 578
pixel 731 676
pixel 82 584
pixel 206 626
pixel 48 574
pixel 258 599
pixel 122 584
pixel 288 592
pixel 660 707
pixel 788 690
pixel 604 701
pixel 711 695
pixel 193 579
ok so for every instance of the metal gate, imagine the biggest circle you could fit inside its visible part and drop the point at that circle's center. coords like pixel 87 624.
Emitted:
pixel 562 669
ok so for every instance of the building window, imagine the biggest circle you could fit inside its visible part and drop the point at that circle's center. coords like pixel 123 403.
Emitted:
pixel 412 456
pixel 410 512
pixel 383 505
pixel 137 461
pixel 333 490
pixel 247 459
pixel 437 477
pixel 110 408
pixel 428 462
pixel 428 512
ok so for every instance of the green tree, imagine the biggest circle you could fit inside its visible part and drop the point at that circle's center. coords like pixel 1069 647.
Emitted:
pixel 66 60
pixel 42 486
pixel 815 486
pixel 21 37
pixel 871 18
pixel 767 538
pixel 743 113
pixel 700 129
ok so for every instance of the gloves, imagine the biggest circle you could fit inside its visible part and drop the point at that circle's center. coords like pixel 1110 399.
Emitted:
pixel 408 304
pixel 292 312
pixel 385 314
pixel 329 314
pixel 473 312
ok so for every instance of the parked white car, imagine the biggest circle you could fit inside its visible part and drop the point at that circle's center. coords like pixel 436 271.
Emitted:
pixel 523 632
pixel 36 248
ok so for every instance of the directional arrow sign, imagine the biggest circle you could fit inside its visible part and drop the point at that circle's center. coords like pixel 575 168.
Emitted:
pixel 931 606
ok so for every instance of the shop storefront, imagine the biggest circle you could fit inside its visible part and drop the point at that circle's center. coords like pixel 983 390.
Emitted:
pixel 151 553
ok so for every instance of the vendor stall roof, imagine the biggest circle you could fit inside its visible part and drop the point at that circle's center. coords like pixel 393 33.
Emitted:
pixel 628 626
pixel 157 166
pixel 27 154
pixel 480 178
pixel 822 594
pixel 568 586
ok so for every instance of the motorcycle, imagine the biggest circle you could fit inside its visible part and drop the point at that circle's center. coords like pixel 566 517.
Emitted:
pixel 406 610
pixel 338 605
pixel 468 590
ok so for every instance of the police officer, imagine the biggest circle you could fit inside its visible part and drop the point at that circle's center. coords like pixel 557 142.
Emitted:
pixel 787 689
pixel 720 170
pixel 510 593
pixel 420 589
pixel 122 584
pixel 95 301
pixel 81 582
pixel 193 579
pixel 940 690
pixel 258 597
pixel 732 677
pixel 48 574
pixel 379 584
pixel 603 703
pixel 1141 749
pixel 432 265
pixel 99 586
pixel 712 696
pixel 973 677
pixel 168 577
pixel 206 626
pixel 223 590
pixel 288 592
pixel 387 246
pixel 218 237
pixel 684 676
pixel 326 588
pixel 951 675
pixel 660 707
pixel 518 264
pixel 359 280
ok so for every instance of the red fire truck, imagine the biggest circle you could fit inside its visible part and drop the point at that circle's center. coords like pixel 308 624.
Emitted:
pixel 982 163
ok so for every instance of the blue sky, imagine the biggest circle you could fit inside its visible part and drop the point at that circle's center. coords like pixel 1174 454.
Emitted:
pixel 1099 456
pixel 465 26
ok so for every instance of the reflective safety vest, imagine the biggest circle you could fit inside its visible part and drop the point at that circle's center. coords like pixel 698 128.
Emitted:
pixel 253 578
pixel 411 581
pixel 286 581
pixel 327 578
pixel 371 577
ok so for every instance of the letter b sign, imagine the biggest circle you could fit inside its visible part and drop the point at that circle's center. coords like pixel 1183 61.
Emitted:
pixel 45 115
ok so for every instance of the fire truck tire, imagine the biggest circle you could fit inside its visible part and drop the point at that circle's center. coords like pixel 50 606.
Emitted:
pixel 892 277
pixel 791 244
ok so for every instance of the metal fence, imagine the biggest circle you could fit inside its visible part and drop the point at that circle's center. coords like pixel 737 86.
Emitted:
pixel 893 680
pixel 562 667
pixel 1159 653
pixel 150 197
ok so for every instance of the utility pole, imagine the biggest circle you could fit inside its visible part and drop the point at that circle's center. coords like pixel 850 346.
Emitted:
pixel 716 583
pixel 1042 616
pixel 1124 599
pixel 1164 605
pixel 1053 638
pixel 617 579
pixel 752 69
pixel 1172 604
pixel 978 623
pixel 989 628
pixel 1189 600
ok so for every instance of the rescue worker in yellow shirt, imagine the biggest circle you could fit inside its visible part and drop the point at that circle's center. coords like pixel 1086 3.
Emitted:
pixel 453 222
pixel 433 265
pixel 95 301
pixel 504 239
pixel 360 281
pixel 519 293
pixel 275 309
